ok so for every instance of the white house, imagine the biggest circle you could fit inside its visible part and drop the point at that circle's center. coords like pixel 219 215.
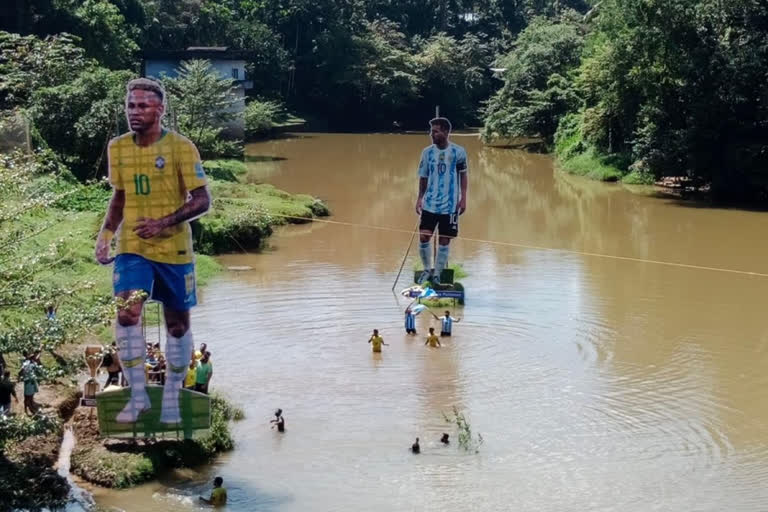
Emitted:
pixel 228 63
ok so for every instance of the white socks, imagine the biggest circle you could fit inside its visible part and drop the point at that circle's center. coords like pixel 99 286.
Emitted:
pixel 132 350
pixel 178 353
pixel 426 255
pixel 442 259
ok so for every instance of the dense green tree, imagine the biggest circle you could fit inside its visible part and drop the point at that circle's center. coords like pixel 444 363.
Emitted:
pixel 679 87
pixel 77 118
pixel 537 88
pixel 105 34
pixel 28 63
pixel 456 76
pixel 201 103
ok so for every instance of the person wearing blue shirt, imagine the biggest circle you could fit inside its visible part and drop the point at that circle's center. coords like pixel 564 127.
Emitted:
pixel 410 321
pixel 442 196
pixel 447 324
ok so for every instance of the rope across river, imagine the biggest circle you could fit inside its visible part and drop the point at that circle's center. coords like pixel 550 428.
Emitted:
pixel 533 247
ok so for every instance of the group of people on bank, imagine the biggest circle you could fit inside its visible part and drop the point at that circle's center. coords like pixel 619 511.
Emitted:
pixel 197 378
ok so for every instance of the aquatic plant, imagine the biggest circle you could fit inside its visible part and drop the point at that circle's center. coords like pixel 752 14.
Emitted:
pixel 466 441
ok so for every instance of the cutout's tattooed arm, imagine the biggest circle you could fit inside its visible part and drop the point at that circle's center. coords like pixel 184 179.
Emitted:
pixel 111 222
pixel 199 203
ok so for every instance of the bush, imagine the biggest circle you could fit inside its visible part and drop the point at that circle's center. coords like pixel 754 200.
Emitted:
pixel 232 226
pixel 77 118
pixel 18 427
pixel 261 117
pixel 92 197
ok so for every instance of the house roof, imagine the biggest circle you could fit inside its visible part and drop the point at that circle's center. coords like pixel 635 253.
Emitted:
pixel 197 52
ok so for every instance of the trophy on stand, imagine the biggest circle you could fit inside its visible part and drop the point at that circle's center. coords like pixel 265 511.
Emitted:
pixel 94 355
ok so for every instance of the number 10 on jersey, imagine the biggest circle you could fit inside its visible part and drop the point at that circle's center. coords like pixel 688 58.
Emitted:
pixel 141 182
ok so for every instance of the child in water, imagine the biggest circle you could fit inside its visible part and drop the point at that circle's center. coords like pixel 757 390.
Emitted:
pixel 432 339
pixel 376 341
pixel 279 421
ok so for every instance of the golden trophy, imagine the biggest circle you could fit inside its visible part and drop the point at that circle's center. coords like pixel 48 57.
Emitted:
pixel 94 355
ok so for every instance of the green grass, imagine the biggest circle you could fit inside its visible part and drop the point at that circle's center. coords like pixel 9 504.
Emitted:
pixel 274 201
pixel 638 178
pixel 590 165
pixel 244 214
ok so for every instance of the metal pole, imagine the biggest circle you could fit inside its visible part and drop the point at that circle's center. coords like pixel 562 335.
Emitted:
pixel 407 251
pixel 437 110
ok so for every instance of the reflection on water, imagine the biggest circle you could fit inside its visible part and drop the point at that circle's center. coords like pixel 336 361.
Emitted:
pixel 597 384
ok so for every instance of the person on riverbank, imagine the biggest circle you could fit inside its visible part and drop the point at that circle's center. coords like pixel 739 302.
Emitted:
pixel 279 421
pixel 410 321
pixel 199 353
pixel 447 323
pixel 7 390
pixel 432 339
pixel 203 373
pixel 112 364
pixel 29 374
pixel 159 186
pixel 218 494
pixel 442 197
pixel 376 341
pixel 191 378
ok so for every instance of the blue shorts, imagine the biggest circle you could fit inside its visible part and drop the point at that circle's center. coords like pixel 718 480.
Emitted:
pixel 173 285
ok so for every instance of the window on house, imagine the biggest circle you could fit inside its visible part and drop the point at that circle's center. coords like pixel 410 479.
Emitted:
pixel 235 73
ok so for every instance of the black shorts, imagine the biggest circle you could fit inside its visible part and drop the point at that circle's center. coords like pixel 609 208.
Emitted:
pixel 443 333
pixel 447 224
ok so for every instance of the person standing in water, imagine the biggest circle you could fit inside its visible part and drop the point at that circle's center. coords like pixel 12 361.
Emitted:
pixel 447 323
pixel 442 196
pixel 410 321
pixel 432 339
pixel 218 494
pixel 376 341
pixel 279 421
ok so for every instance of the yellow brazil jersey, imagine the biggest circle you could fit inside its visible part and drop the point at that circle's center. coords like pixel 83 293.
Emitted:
pixel 189 379
pixel 156 180
pixel 433 340
pixel 219 496
pixel 376 342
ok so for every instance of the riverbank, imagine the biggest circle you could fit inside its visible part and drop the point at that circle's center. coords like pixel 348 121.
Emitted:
pixel 243 216
pixel 124 463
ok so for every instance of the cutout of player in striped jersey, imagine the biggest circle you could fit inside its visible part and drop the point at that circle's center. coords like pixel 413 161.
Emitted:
pixel 158 187
pixel 442 196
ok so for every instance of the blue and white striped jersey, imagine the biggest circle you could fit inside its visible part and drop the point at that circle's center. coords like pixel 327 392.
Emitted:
pixel 410 321
pixel 447 323
pixel 441 167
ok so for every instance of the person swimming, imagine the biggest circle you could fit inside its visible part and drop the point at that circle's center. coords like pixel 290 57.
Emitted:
pixel 444 439
pixel 415 448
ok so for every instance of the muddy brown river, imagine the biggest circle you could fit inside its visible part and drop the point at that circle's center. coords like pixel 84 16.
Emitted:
pixel 598 384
